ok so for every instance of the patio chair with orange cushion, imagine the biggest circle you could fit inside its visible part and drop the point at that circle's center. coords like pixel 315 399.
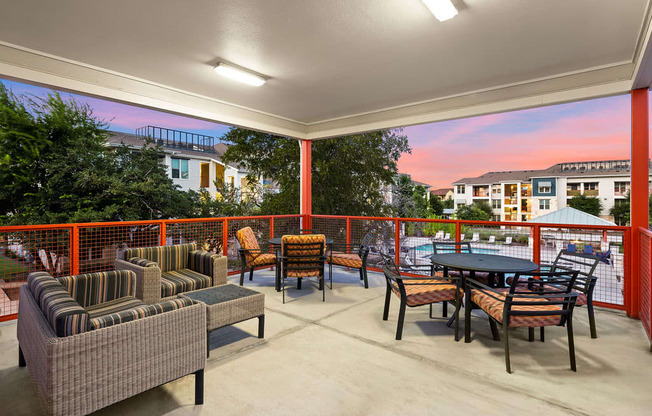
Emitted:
pixel 302 256
pixel 548 300
pixel 252 256
pixel 419 291
pixel 352 256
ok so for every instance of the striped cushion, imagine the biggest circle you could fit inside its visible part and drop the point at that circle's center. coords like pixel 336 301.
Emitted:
pixel 417 294
pixel 139 312
pixel 303 266
pixel 348 260
pixel 142 262
pixel 114 306
pixel 202 262
pixel 64 314
pixel 494 307
pixel 185 280
pixel 168 257
pixel 248 241
pixel 95 288
pixel 265 259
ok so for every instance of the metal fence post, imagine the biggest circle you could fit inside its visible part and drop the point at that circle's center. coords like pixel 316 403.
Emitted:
pixel 74 251
pixel 397 241
pixel 162 233
pixel 536 244
pixel 225 236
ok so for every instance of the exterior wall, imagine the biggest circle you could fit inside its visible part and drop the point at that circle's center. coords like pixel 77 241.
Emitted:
pixel 535 187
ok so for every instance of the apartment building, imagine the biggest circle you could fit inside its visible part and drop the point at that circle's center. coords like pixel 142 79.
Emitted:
pixel 193 160
pixel 526 194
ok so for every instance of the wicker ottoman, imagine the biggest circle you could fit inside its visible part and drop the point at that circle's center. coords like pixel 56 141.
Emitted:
pixel 229 304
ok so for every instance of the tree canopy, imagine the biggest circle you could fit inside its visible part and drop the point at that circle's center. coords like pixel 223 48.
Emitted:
pixel 55 168
pixel 588 204
pixel 478 211
pixel 348 173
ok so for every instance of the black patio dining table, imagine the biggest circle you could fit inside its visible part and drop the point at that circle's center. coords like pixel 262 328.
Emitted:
pixel 490 263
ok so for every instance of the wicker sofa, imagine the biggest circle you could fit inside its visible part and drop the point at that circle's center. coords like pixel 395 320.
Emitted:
pixel 164 272
pixel 89 343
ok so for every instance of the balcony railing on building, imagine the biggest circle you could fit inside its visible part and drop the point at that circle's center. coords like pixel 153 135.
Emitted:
pixel 176 139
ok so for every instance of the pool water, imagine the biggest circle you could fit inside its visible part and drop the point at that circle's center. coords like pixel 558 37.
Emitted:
pixel 428 248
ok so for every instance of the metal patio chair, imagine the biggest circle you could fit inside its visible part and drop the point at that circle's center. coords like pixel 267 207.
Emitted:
pixel 252 256
pixel 546 300
pixel 302 256
pixel 418 291
pixel 351 255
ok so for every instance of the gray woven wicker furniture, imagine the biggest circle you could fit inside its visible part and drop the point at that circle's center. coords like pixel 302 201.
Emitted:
pixel 88 343
pixel 228 305
pixel 163 272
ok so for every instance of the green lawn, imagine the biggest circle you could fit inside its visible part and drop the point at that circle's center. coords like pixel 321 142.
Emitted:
pixel 9 267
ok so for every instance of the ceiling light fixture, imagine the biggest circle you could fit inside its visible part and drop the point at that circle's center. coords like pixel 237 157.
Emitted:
pixel 239 75
pixel 442 9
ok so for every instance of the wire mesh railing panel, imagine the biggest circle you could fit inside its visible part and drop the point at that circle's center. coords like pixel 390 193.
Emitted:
pixel 206 234
pixel 383 234
pixel 99 246
pixel 503 240
pixel 606 245
pixel 646 282
pixel 332 227
pixel 23 252
pixel 286 225
pixel 261 228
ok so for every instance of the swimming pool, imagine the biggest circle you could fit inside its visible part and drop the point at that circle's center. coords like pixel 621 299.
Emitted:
pixel 427 248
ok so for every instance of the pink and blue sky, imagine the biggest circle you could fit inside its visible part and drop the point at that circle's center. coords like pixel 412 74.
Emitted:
pixel 446 151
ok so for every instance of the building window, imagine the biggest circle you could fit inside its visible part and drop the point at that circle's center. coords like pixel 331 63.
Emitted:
pixel 179 168
pixel 495 189
pixel 461 189
pixel 591 186
pixel 573 187
pixel 495 203
pixel 545 187
pixel 544 204
pixel 621 188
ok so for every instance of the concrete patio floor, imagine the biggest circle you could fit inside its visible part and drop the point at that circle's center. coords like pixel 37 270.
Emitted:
pixel 340 358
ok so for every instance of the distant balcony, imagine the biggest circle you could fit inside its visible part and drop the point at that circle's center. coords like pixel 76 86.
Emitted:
pixel 573 192
pixel 481 194
pixel 622 193
pixel 591 192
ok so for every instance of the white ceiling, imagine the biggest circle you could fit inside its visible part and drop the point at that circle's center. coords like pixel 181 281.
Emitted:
pixel 334 67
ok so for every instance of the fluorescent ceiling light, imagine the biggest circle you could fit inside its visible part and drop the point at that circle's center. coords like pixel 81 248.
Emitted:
pixel 239 75
pixel 442 9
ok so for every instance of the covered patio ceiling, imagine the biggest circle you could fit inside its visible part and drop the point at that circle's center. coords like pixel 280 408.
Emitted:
pixel 333 67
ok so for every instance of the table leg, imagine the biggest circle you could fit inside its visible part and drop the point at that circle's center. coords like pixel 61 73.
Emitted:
pixel 467 307
pixel 501 279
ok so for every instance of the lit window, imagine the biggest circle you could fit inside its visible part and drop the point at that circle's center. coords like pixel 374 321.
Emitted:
pixel 461 189
pixel 544 204
pixel 545 187
pixel 495 203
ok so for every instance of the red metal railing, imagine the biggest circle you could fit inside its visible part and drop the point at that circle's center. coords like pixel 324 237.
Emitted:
pixel 81 248
pixel 645 273
pixel 410 241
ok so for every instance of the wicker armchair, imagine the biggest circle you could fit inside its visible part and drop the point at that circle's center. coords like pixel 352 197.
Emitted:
pixel 164 272
pixel 252 256
pixel 546 300
pixel 302 256
pixel 89 343
pixel 355 257
pixel 419 291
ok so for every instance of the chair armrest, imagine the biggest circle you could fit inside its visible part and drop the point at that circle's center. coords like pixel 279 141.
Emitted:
pixel 148 280
pixel 142 262
pixel 210 264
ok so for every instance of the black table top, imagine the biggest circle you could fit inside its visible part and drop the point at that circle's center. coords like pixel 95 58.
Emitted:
pixel 483 262
pixel 277 241
pixel 219 294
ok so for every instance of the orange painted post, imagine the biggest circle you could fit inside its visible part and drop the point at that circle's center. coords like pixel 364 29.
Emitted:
pixel 640 173
pixel 271 227
pixel 225 236
pixel 306 182
pixel 162 233
pixel 536 246
pixel 627 261
pixel 458 234
pixel 74 251
pixel 397 241
pixel 348 234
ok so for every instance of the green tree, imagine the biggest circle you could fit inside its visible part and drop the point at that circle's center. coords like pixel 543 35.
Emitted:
pixel 403 197
pixel 479 211
pixel 436 205
pixel 621 211
pixel 348 173
pixel 448 203
pixel 55 168
pixel 588 204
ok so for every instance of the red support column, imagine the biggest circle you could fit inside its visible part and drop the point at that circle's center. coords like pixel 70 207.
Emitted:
pixel 306 181
pixel 162 234
pixel 640 174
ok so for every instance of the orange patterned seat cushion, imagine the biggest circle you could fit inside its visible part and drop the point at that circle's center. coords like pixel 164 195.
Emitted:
pixel 264 259
pixel 417 294
pixel 344 259
pixel 581 300
pixel 495 307
pixel 248 241
pixel 294 266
